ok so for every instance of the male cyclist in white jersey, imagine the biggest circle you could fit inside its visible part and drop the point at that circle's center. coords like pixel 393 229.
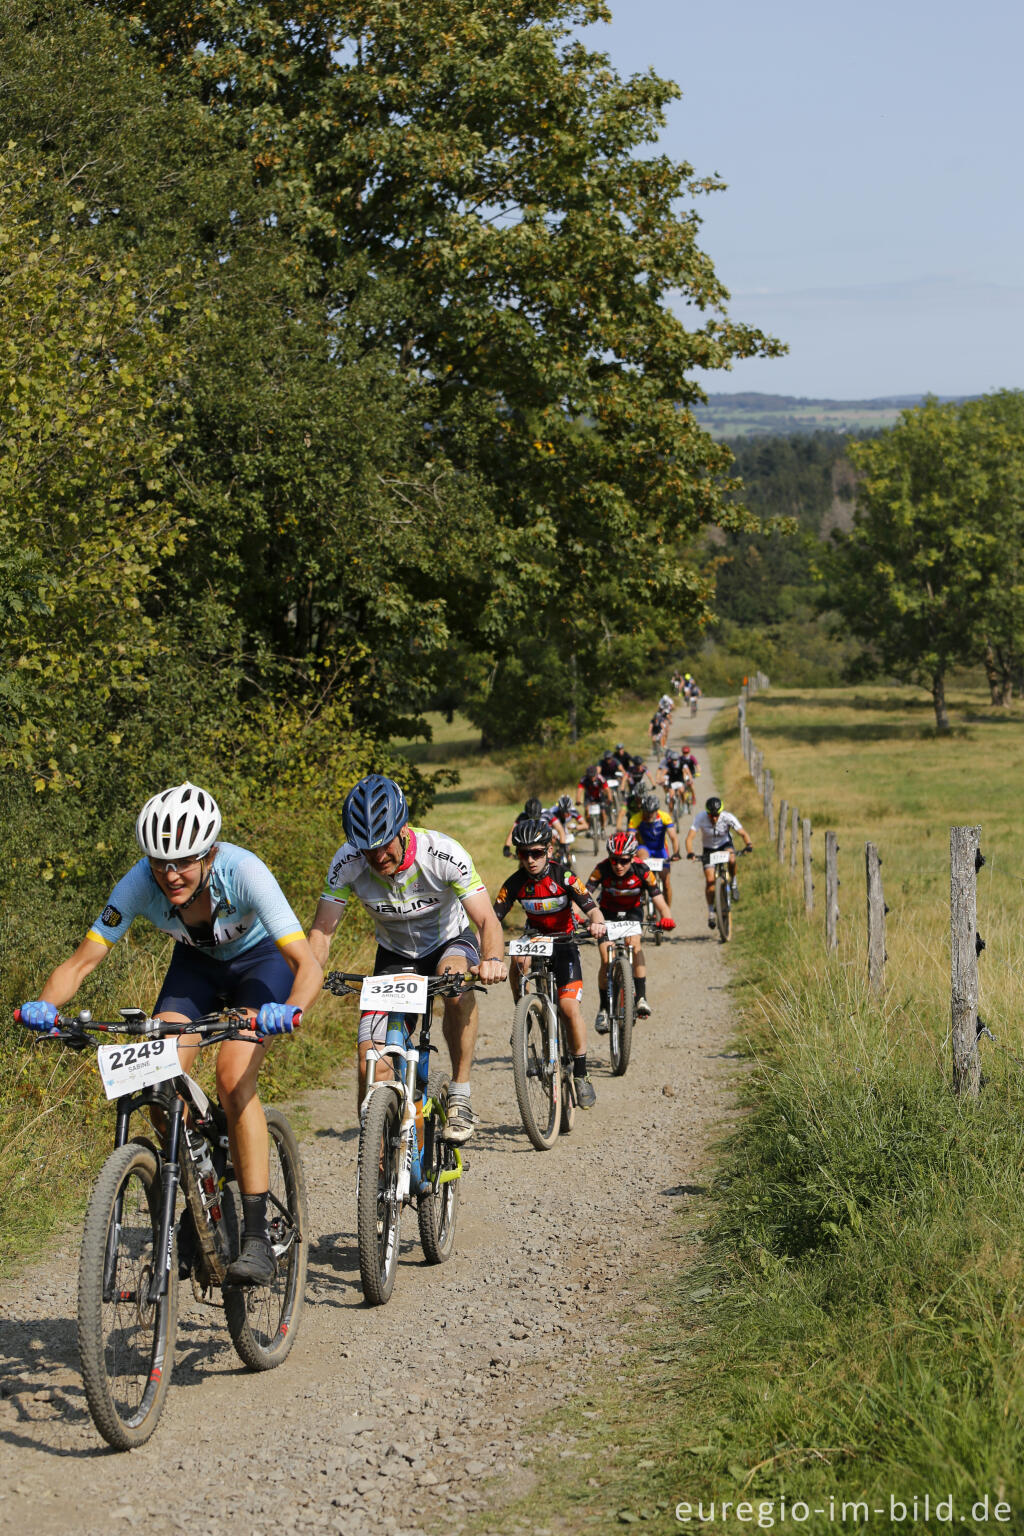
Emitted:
pixel 238 944
pixel 716 828
pixel 423 892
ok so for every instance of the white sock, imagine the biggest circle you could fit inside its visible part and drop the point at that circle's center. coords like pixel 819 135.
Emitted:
pixel 462 1088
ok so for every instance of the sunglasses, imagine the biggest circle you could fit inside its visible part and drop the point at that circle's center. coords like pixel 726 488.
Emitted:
pixel 173 866
pixel 621 858
pixel 532 853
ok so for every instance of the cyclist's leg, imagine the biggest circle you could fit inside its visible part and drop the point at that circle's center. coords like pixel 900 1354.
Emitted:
pixel 666 880
pixel 262 975
pixel 569 980
pixel 460 1013
pixel 709 884
pixel 639 959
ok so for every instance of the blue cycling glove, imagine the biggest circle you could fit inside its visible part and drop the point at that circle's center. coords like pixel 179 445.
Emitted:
pixel 277 1019
pixel 37 1015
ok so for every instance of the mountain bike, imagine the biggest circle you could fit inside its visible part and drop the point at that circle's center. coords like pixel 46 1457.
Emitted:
pixel 128 1269
pixel 403 1155
pixel 541 1055
pixel 593 812
pixel 650 913
pixel 719 860
pixel 679 800
pixel 620 993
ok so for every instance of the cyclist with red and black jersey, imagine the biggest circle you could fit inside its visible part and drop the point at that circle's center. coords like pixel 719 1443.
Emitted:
pixel 619 882
pixel 547 893
pixel 593 789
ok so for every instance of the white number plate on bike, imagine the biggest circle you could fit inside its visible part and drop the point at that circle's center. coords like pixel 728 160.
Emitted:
pixel 126 1068
pixel 613 783
pixel 655 864
pixel 531 946
pixel 623 930
pixel 719 856
pixel 393 994
pixel 593 808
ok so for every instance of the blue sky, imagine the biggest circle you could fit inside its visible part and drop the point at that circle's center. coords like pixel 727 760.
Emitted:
pixel 874 155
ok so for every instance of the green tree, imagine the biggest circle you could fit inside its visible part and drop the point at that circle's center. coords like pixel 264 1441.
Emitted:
pixel 475 193
pixel 926 572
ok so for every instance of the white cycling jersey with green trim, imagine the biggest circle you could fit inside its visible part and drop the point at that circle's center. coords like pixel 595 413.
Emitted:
pixel 418 908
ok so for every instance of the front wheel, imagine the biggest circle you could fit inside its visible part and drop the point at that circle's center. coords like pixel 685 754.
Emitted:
pixel 378 1213
pixel 262 1319
pixel 538 1087
pixel 567 1118
pixel 595 832
pixel 439 1210
pixel 723 908
pixel 126 1341
pixel 620 1022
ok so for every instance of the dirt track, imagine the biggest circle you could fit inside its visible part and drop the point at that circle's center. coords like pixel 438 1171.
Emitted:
pixel 379 1415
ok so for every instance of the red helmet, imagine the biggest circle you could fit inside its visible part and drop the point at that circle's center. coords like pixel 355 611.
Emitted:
pixel 622 845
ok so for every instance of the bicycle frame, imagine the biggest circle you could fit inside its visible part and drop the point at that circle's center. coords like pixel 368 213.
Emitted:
pixel 411 1068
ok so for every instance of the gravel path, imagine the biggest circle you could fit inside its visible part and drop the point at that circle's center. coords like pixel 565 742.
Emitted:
pixel 380 1414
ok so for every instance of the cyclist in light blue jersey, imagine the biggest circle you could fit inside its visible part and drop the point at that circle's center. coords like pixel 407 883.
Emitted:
pixel 237 944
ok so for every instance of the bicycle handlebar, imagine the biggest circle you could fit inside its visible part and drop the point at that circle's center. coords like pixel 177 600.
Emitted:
pixel 212 1028
pixel 449 984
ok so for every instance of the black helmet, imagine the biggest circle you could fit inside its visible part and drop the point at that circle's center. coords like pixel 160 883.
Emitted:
pixel 532 809
pixel 649 804
pixel 374 812
pixel 590 772
pixel 713 805
pixel 533 831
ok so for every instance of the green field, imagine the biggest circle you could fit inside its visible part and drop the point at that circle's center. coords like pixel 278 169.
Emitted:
pixel 851 1328
pixel 753 415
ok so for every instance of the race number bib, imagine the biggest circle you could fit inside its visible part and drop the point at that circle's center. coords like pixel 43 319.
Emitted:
pixel 531 946
pixel 720 856
pixel 655 864
pixel 593 808
pixel 127 1068
pixel 393 994
pixel 625 930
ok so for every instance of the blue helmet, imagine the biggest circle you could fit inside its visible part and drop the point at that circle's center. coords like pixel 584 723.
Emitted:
pixel 374 812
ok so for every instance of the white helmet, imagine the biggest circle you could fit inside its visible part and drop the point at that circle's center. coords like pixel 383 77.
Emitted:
pixel 179 823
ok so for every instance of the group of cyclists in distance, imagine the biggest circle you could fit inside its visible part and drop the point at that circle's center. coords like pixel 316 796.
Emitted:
pixel 240 945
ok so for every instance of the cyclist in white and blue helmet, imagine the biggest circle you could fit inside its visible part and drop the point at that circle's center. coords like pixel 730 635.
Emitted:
pixel 237 944
pixel 423 892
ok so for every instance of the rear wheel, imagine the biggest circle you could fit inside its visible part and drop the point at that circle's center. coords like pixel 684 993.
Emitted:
pixel 262 1319
pixel 377 1210
pixel 723 905
pixel 620 1022
pixel 438 1211
pixel 538 1087
pixel 126 1341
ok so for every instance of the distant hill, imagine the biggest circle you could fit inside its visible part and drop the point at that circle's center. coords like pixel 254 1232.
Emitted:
pixel 753 415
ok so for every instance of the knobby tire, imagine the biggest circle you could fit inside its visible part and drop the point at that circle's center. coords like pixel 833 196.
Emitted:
pixel 723 908
pixel 262 1319
pixel 126 1344
pixel 538 1091
pixel 620 1021
pixel 438 1212
pixel 378 1217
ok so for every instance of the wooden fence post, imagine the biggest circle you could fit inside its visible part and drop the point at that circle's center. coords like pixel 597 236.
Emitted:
pixel 831 893
pixel 783 818
pixel 769 803
pixel 876 920
pixel 805 838
pixel 964 857
pixel 792 840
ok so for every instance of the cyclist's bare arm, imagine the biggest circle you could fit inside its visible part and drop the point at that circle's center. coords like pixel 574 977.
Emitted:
pixel 65 980
pixel 492 941
pixel 307 973
pixel 328 915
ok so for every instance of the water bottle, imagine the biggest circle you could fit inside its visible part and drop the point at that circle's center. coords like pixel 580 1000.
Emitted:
pixel 206 1174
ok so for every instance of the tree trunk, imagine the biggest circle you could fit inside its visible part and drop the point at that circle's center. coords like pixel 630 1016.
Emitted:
pixel 995 684
pixel 939 700
pixel 999 674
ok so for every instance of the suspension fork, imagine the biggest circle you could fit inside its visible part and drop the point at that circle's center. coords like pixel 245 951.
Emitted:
pixel 169 1180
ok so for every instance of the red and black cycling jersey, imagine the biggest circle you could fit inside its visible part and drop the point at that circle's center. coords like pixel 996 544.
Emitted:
pixel 546 898
pixel 595 788
pixel 621 890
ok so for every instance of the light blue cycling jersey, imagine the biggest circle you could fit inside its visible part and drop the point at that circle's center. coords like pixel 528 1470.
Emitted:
pixel 248 906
